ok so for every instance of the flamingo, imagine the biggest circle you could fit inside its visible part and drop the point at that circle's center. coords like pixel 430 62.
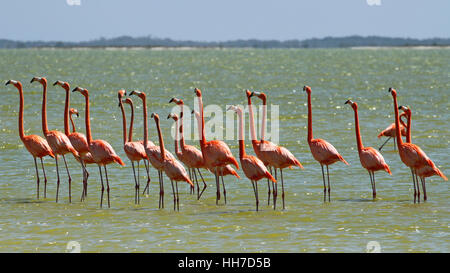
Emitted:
pixel 270 154
pixel 227 170
pixel 153 152
pixel 371 159
pixel 189 155
pixel 216 153
pixel 322 151
pixel 172 167
pixel 411 154
pixel 35 145
pixel 253 167
pixel 390 132
pixel 77 140
pixel 133 149
pixel 102 152
pixel 58 141
pixel 426 171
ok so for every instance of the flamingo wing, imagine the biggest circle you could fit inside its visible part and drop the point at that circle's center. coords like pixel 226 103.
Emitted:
pixel 324 152
pixel 372 160
pixel 135 151
pixel 37 146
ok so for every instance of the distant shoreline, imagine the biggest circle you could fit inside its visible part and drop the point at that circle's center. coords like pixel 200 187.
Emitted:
pixel 183 48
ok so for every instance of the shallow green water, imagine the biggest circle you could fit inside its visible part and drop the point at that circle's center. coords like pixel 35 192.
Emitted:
pixel 347 224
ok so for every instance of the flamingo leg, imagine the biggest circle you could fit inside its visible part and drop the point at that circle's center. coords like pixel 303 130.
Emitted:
pixel 414 184
pixel 107 185
pixel 162 188
pixel 136 191
pixel 174 196
pixel 374 194
pixel 268 187
pixel 138 184
pixel 217 187
pixel 196 181
pixel 329 187
pixel 57 175
pixel 371 182
pixel 275 190
pixel 424 188
pixel 417 185
pixel 223 185
pixel 190 177
pixel 84 180
pixel 45 179
pixel 70 180
pixel 381 147
pixel 257 198
pixel 148 174
pixel 178 196
pixel 282 187
pixel 103 187
pixel 255 192
pixel 324 185
pixel 204 183
pixel 37 177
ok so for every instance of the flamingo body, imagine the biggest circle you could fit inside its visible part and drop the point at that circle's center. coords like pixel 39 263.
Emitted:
pixel 324 152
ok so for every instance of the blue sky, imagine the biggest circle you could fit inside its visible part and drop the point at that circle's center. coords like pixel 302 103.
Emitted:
pixel 213 20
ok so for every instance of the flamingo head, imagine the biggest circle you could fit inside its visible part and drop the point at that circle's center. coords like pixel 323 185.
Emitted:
pixel 236 109
pixel 198 93
pixel 73 111
pixel 260 95
pixel 393 92
pixel 128 101
pixel 154 116
pixel 121 93
pixel 17 84
pixel 140 94
pixel 307 89
pixel 64 85
pixel 405 109
pixel 41 80
pixel 177 101
pixel 248 93
pixel 353 104
pixel 173 116
pixel 83 91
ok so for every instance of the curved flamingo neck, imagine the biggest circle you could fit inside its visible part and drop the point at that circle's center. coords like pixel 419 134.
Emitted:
pixel 87 120
pixel 408 128
pixel 397 124
pixel 21 131
pixel 66 112
pixel 182 143
pixel 124 122
pixel 161 140
pixel 73 124
pixel 252 121
pixel 358 133
pixel 144 110
pixel 44 109
pixel 130 132
pixel 242 153
pixel 202 137
pixel 310 131
pixel 264 119
pixel 176 137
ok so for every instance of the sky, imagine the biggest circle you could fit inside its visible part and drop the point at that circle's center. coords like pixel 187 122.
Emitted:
pixel 214 20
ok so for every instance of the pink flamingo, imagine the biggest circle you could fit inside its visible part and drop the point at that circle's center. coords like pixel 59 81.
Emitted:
pixel 133 149
pixel 172 167
pixel 153 152
pixel 35 145
pixel 390 132
pixel 189 155
pixel 253 167
pixel 370 158
pixel 102 152
pixel 58 141
pixel 322 151
pixel 227 170
pixel 427 170
pixel 216 153
pixel 411 154
pixel 77 140
pixel 269 153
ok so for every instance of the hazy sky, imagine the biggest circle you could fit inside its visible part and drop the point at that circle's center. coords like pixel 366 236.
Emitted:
pixel 209 20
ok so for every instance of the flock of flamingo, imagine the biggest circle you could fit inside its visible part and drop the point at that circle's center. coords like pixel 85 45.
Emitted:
pixel 214 155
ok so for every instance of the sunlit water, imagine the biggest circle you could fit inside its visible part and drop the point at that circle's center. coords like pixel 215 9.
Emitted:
pixel 347 224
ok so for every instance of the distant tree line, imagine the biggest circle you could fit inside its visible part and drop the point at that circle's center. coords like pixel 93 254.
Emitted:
pixel 149 41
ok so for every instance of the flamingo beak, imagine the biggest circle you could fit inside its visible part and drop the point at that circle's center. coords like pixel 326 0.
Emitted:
pixel 171 100
pixel 348 101
pixel 77 114
pixel 8 82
